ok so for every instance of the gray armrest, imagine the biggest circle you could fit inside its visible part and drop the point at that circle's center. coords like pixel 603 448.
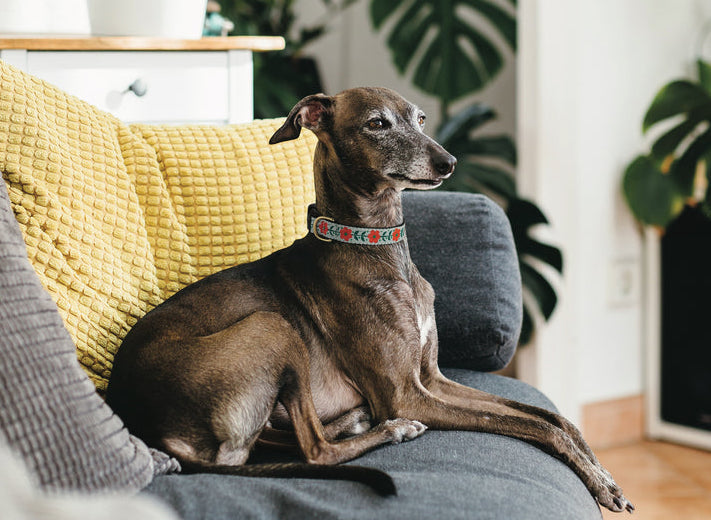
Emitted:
pixel 462 244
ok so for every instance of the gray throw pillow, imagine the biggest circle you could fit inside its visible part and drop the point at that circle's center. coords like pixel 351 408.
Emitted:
pixel 50 413
pixel 463 245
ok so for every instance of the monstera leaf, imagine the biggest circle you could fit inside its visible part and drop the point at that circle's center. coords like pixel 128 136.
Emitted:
pixel 485 165
pixel 653 196
pixel 657 185
pixel 441 42
pixel 525 215
pixel 685 143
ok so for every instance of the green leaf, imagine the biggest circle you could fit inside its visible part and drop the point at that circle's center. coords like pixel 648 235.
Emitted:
pixel 706 202
pixel 447 55
pixel 463 123
pixel 540 288
pixel 683 170
pixel 668 143
pixel 524 215
pixel 527 327
pixel 681 146
pixel 675 98
pixel 499 18
pixel 704 70
pixel 408 33
pixel 382 10
pixel 501 147
pixel 479 178
pixel 546 253
pixel 472 174
pixel 653 197
pixel 489 57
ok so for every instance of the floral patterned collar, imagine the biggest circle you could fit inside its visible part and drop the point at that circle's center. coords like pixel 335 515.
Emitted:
pixel 324 228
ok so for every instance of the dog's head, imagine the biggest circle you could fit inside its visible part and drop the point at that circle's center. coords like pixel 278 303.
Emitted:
pixel 373 135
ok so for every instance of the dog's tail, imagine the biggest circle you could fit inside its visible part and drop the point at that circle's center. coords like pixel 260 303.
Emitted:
pixel 378 480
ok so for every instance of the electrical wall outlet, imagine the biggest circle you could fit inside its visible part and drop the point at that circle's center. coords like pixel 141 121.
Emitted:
pixel 624 282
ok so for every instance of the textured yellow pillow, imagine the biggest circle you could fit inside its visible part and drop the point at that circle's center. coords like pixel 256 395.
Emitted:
pixel 117 218
pixel 224 196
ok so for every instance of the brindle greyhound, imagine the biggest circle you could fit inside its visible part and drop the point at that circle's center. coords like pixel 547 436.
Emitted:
pixel 324 331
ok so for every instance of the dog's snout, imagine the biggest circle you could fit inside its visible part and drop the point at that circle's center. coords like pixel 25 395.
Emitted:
pixel 444 163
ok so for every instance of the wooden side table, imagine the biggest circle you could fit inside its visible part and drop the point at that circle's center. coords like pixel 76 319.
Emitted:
pixel 149 79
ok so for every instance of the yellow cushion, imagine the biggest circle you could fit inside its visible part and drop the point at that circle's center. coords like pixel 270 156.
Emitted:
pixel 117 218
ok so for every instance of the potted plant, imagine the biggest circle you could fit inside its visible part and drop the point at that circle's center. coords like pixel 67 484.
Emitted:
pixel 442 47
pixel 667 188
pixel 282 78
pixel 164 18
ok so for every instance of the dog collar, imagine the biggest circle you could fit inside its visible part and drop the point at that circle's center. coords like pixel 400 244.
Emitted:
pixel 324 228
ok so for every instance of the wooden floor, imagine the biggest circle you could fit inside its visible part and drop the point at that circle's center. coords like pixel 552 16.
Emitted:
pixel 663 481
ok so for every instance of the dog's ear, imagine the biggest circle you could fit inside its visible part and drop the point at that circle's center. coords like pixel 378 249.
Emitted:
pixel 307 113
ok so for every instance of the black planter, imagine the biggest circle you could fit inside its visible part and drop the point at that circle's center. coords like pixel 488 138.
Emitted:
pixel 686 321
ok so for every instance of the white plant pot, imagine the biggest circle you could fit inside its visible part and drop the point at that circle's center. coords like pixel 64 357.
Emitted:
pixel 183 19
pixel 35 17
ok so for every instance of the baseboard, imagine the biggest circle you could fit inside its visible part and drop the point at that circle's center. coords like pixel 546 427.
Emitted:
pixel 612 423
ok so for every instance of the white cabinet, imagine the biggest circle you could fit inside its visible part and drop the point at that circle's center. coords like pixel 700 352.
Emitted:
pixel 190 83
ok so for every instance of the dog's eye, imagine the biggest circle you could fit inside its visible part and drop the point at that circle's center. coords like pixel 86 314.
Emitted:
pixel 376 124
pixel 421 119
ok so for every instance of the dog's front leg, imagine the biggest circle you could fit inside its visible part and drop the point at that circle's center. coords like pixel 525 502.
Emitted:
pixel 491 414
pixel 580 457
pixel 452 391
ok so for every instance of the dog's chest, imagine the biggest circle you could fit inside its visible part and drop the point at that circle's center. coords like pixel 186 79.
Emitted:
pixel 425 322
pixel 424 306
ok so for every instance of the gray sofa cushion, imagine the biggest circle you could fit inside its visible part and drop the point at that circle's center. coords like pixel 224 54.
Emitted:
pixel 50 413
pixel 463 245
pixel 449 475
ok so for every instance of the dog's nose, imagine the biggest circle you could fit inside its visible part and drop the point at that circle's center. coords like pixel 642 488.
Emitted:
pixel 444 164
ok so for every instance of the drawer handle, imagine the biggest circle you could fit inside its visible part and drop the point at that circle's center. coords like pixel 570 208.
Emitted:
pixel 138 87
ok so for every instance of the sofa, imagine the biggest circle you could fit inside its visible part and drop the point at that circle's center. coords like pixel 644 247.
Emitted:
pixel 100 221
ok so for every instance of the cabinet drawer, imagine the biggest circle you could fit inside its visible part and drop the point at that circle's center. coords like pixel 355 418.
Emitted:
pixel 180 86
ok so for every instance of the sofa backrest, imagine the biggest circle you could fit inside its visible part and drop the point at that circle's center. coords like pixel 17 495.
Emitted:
pixel 118 217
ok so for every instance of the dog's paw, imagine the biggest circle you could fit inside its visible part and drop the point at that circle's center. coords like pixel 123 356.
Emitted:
pixel 609 494
pixel 403 430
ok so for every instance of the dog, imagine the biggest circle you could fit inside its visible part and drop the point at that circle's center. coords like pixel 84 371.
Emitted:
pixel 329 334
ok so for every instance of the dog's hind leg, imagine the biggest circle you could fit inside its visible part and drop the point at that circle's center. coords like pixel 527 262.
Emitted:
pixel 317 446
pixel 353 422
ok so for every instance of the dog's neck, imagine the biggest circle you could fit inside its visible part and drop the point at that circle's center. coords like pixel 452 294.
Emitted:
pixel 372 206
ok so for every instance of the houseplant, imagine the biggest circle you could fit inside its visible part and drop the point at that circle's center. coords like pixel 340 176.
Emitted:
pixel 282 78
pixel 675 172
pixel 441 46
pixel 668 188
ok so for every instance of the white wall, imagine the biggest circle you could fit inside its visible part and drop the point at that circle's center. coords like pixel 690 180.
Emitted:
pixel 587 72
